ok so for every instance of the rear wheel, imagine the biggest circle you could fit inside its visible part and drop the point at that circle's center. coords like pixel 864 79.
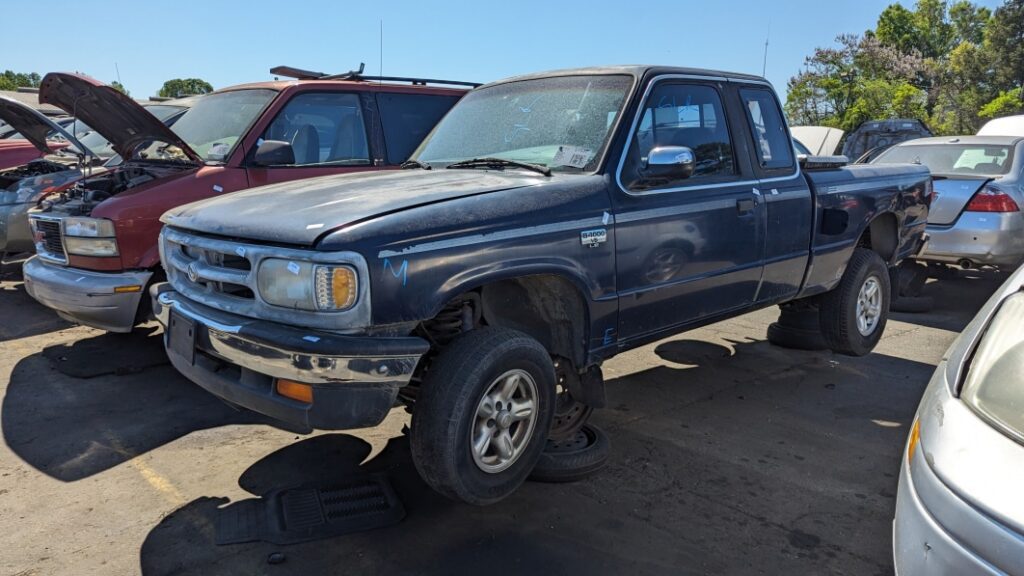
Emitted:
pixel 853 315
pixel 483 414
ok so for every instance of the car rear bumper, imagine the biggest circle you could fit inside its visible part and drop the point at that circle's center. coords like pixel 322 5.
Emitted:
pixel 354 379
pixel 94 299
pixel 982 238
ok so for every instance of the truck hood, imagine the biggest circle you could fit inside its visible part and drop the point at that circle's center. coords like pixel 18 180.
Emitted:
pixel 302 211
pixel 34 126
pixel 118 118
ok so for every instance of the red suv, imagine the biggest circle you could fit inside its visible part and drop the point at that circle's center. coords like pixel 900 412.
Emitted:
pixel 96 243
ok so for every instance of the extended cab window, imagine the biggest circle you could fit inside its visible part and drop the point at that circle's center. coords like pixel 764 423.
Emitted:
pixel 407 118
pixel 689 115
pixel 323 128
pixel 772 144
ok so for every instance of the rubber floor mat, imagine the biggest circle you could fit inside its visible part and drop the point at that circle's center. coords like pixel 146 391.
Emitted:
pixel 309 513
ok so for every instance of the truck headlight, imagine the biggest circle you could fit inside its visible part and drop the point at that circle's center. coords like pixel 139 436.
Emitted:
pixel 993 385
pixel 101 247
pixel 89 237
pixel 307 286
pixel 88 227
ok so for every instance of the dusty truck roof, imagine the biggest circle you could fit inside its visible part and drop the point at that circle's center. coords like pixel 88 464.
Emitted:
pixel 636 70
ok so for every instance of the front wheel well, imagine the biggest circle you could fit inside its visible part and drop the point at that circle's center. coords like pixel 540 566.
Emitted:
pixel 547 307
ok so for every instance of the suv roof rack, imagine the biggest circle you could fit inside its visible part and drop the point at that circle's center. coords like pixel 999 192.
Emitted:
pixel 300 74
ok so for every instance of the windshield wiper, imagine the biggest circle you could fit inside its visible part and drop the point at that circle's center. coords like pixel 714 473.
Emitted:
pixel 413 163
pixel 489 162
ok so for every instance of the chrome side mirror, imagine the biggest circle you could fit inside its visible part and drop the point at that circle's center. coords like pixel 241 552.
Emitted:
pixel 673 162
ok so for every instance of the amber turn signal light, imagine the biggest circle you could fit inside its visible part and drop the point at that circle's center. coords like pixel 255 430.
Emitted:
pixel 295 390
pixel 915 439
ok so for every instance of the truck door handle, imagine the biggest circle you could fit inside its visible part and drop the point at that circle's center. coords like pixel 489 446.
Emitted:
pixel 745 205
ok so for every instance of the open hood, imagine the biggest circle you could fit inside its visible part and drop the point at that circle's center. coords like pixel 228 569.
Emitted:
pixel 34 126
pixel 118 118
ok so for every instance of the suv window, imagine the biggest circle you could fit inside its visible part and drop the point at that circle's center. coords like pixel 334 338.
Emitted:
pixel 688 115
pixel 407 118
pixel 773 146
pixel 323 128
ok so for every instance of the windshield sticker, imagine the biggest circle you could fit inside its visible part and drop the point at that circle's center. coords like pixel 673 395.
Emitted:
pixel 293 268
pixel 574 156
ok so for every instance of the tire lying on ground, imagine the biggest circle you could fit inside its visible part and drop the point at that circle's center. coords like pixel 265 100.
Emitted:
pixel 907 282
pixel 797 328
pixel 574 458
pixel 482 415
pixel 853 315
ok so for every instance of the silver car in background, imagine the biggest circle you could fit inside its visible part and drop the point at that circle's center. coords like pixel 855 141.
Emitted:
pixel 960 504
pixel 975 217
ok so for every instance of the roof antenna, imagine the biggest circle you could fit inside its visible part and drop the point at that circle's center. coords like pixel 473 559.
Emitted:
pixel 381 51
pixel 764 64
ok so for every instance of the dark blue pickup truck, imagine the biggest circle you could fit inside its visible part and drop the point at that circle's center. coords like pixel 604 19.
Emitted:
pixel 548 223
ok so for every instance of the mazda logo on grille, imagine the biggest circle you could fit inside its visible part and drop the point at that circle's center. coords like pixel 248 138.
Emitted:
pixel 193 271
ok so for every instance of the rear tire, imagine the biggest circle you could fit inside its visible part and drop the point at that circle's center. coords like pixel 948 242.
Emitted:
pixel 472 437
pixel 853 315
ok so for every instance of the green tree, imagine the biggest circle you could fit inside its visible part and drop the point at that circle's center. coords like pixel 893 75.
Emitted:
pixel 120 88
pixel 10 80
pixel 180 87
pixel 1005 39
pixel 1007 103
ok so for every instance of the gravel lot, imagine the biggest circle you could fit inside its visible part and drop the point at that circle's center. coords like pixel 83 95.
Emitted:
pixel 729 456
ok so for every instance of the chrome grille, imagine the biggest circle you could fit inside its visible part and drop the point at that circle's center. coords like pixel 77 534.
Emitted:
pixel 48 240
pixel 221 274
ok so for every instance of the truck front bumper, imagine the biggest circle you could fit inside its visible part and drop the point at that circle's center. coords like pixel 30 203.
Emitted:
pixel 354 379
pixel 109 301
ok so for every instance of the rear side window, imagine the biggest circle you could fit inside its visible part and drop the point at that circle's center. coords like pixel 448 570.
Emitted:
pixel 772 144
pixel 408 118
pixel 323 128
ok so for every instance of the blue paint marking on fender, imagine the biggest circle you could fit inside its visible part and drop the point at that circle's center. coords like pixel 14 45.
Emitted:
pixel 402 272
pixel 609 336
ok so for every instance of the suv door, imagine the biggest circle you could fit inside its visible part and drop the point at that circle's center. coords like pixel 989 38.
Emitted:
pixel 788 204
pixel 328 135
pixel 689 248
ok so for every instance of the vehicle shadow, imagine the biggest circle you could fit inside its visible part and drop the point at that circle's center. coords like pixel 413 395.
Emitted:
pixel 957 299
pixel 745 458
pixel 72 427
pixel 20 315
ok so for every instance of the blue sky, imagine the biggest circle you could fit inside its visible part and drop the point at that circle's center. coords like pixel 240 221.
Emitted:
pixel 229 43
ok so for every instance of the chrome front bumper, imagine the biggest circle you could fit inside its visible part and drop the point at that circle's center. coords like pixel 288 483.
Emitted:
pixel 354 379
pixel 84 296
pixel 981 237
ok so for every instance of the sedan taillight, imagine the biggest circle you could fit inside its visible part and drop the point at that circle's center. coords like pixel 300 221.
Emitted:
pixel 991 199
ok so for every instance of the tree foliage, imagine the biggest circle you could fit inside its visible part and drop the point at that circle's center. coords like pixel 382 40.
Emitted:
pixel 950 65
pixel 13 80
pixel 120 88
pixel 180 87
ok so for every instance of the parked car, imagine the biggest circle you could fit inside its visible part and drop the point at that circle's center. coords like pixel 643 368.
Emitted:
pixel 819 140
pixel 975 218
pixel 96 243
pixel 22 188
pixel 31 137
pixel 959 508
pixel 1005 126
pixel 549 220
pixel 872 138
